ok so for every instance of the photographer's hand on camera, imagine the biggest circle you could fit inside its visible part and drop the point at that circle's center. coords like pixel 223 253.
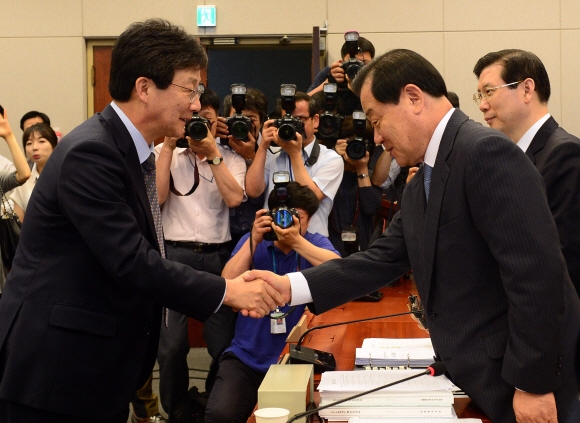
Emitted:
pixel 262 225
pixel 207 147
pixel 291 236
pixel 246 149
pixel 336 73
pixel 293 148
pixel 221 128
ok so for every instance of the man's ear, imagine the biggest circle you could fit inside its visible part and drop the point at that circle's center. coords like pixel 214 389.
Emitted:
pixel 315 120
pixel 414 95
pixel 143 88
pixel 529 89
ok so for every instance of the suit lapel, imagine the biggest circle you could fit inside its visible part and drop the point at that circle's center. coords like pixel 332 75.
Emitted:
pixel 436 194
pixel 545 131
pixel 126 146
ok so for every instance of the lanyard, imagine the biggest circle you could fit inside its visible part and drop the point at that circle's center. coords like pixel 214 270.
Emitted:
pixel 275 262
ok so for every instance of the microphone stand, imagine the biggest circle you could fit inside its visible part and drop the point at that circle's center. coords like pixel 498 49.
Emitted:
pixel 321 360
pixel 430 371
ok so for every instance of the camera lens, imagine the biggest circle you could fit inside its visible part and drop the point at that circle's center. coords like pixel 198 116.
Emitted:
pixel 196 129
pixel 328 126
pixel 286 132
pixel 283 218
pixel 356 149
pixel 352 70
pixel 239 130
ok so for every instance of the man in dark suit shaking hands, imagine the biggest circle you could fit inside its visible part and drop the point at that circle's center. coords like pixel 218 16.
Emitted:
pixel 512 92
pixel 81 311
pixel 502 313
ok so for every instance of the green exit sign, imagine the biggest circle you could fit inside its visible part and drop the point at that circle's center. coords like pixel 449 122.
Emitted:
pixel 206 16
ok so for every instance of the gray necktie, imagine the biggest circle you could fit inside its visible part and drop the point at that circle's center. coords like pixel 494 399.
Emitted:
pixel 151 186
pixel 148 167
pixel 427 170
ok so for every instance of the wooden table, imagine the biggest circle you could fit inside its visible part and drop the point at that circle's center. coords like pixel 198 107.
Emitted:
pixel 342 341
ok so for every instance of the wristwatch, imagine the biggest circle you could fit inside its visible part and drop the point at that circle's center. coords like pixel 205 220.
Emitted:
pixel 215 161
pixel 362 176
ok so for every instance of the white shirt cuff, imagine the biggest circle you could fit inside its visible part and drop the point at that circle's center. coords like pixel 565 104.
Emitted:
pixel 300 289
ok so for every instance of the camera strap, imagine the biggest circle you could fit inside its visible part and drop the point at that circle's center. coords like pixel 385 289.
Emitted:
pixel 313 158
pixel 193 188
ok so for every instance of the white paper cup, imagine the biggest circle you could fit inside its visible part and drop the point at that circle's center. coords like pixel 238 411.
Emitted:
pixel 271 415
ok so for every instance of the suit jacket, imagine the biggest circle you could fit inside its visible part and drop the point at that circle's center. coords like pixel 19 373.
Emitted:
pixel 81 312
pixel 556 155
pixel 501 310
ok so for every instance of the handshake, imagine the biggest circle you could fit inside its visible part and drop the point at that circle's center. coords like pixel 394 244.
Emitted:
pixel 256 293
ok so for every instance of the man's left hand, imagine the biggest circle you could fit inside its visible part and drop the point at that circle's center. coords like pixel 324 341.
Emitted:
pixel 535 408
pixel 246 149
pixel 289 236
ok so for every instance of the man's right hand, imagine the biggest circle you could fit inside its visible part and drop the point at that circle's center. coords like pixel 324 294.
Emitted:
pixel 255 298
pixel 262 224
pixel 337 71
pixel 280 283
pixel 5 129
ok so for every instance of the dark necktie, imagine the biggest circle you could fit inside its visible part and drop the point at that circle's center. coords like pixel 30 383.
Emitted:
pixel 148 167
pixel 427 170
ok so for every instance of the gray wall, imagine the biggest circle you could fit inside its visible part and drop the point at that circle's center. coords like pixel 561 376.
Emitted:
pixel 43 43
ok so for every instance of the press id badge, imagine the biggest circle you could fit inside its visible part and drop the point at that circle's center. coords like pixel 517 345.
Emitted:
pixel 278 325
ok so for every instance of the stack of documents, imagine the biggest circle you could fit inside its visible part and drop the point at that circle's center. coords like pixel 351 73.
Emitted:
pixel 424 397
pixel 393 352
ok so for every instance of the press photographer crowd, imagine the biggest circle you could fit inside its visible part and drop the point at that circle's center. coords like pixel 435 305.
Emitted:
pixel 172 203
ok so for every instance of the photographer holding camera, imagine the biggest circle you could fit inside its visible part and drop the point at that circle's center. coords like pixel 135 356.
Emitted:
pixel 308 162
pixel 357 202
pixel 255 108
pixel 257 344
pixel 196 187
pixel 355 52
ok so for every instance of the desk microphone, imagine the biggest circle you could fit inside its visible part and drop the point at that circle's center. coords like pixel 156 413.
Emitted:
pixel 323 361
pixel 436 369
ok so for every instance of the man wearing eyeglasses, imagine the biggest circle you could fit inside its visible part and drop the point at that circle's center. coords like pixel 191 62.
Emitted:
pixel 82 307
pixel 513 93
pixel 308 162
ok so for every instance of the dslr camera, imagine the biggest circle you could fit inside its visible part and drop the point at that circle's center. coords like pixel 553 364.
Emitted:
pixel 239 126
pixel 329 123
pixel 196 128
pixel 282 216
pixel 289 125
pixel 352 65
pixel 357 148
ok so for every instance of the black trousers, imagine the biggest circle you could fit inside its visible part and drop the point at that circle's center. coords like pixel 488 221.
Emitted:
pixel 218 332
pixel 235 392
pixel 13 412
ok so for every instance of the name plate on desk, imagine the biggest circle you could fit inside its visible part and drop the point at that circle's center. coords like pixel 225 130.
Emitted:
pixel 287 386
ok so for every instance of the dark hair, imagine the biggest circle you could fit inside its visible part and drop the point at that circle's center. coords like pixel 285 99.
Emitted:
pixel 393 70
pixel 318 104
pixel 31 115
pixel 256 101
pixel 300 96
pixel 299 196
pixel 210 99
pixel 364 45
pixel 153 49
pixel 43 130
pixel 517 66
pixel 453 99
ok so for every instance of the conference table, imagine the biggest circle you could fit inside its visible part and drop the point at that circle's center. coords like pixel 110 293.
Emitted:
pixel 343 340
